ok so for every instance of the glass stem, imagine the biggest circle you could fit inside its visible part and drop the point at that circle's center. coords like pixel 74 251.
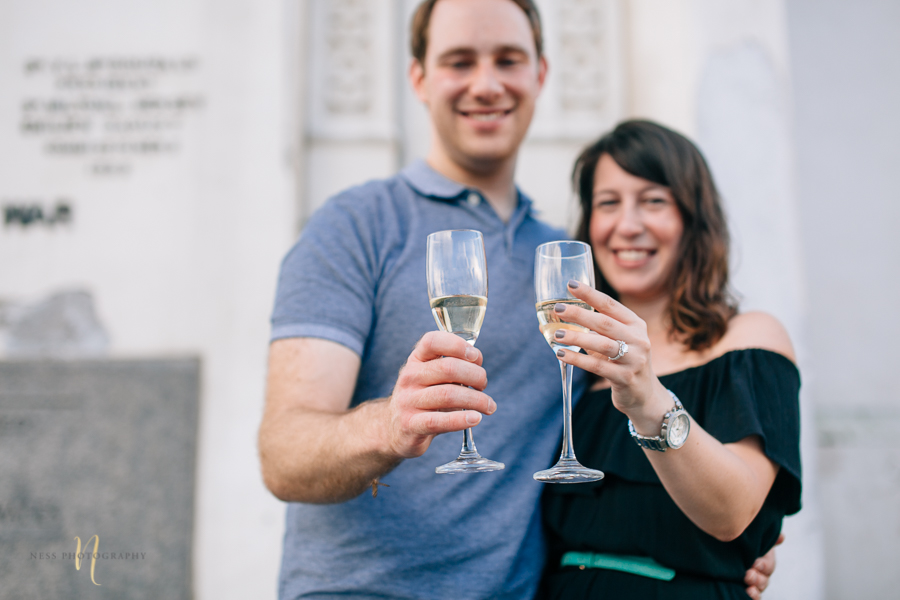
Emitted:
pixel 568 453
pixel 468 447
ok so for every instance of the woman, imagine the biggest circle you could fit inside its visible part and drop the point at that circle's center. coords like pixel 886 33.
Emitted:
pixel 684 509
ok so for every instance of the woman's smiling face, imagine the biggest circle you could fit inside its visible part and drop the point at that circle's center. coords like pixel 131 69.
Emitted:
pixel 635 231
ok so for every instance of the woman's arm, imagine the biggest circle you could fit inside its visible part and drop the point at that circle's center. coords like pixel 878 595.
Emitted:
pixel 719 487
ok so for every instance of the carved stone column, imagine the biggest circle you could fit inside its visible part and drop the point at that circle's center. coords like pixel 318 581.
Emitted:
pixel 351 129
pixel 584 96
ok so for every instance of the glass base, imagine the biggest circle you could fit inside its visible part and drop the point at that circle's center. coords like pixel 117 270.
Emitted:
pixel 474 463
pixel 568 471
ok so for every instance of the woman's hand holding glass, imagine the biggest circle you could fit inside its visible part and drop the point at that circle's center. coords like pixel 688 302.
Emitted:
pixel 636 391
pixel 555 263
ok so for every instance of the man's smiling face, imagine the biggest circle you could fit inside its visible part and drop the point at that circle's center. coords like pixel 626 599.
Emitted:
pixel 480 80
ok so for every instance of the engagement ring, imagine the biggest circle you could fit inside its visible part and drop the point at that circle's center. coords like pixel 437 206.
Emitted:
pixel 623 350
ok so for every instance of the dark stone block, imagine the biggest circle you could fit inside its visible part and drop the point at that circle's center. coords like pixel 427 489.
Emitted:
pixel 103 448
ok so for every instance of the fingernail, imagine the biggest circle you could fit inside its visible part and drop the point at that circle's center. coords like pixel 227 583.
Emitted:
pixel 560 353
pixel 471 354
pixel 560 334
pixel 573 284
pixel 472 418
pixel 559 308
pixel 492 407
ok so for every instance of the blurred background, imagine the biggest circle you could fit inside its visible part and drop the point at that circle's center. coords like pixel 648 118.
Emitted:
pixel 157 159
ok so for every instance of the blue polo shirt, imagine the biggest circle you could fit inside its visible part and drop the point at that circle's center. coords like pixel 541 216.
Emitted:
pixel 357 277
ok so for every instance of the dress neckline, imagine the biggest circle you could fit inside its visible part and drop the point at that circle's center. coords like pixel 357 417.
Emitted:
pixel 713 360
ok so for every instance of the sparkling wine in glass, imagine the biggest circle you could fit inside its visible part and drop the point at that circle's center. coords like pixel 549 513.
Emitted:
pixel 458 289
pixel 555 263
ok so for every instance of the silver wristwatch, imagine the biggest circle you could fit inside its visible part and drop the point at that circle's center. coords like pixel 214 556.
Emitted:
pixel 675 428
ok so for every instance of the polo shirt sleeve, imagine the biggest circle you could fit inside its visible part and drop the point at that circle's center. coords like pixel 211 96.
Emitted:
pixel 326 287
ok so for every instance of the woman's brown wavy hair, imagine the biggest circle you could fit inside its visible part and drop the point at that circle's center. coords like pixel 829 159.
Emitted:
pixel 701 302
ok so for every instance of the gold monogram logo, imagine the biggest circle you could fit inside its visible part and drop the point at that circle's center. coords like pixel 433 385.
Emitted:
pixel 93 555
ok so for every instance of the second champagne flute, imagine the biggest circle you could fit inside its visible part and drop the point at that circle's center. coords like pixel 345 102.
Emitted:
pixel 458 289
pixel 555 263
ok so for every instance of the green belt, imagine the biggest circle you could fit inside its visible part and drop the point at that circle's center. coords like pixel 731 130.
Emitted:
pixel 637 565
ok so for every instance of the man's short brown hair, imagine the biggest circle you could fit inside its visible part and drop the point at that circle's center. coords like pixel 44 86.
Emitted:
pixel 418 39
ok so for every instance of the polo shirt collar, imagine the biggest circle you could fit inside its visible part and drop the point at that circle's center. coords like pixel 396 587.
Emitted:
pixel 432 184
pixel 429 182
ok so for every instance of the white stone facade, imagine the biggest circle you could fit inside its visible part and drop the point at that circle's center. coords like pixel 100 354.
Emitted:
pixel 227 123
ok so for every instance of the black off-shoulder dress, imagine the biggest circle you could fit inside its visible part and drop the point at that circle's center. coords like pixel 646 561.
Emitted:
pixel 739 394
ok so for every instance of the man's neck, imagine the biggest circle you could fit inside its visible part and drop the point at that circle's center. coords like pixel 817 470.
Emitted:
pixel 494 181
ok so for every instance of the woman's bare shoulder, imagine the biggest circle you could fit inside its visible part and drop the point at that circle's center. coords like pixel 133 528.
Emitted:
pixel 755 329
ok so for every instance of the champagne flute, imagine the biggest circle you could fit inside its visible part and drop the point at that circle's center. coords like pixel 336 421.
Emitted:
pixel 555 263
pixel 457 289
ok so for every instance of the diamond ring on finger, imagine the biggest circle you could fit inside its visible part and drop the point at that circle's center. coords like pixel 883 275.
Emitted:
pixel 623 350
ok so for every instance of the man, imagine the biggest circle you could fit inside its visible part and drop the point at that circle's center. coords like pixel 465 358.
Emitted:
pixel 352 301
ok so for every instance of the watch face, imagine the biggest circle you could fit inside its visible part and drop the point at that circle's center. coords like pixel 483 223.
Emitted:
pixel 679 426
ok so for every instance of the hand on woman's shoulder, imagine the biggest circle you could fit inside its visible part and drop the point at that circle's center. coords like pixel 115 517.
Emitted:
pixel 756 329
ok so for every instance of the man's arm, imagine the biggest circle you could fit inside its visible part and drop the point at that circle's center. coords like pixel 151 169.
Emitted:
pixel 314 448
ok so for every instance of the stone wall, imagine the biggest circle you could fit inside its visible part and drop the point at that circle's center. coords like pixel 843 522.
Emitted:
pixel 147 161
pixel 845 59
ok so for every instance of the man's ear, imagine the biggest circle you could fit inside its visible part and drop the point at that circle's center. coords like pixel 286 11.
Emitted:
pixel 416 75
pixel 542 71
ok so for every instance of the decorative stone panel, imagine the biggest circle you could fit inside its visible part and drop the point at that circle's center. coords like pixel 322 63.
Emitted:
pixel 584 91
pixel 351 66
